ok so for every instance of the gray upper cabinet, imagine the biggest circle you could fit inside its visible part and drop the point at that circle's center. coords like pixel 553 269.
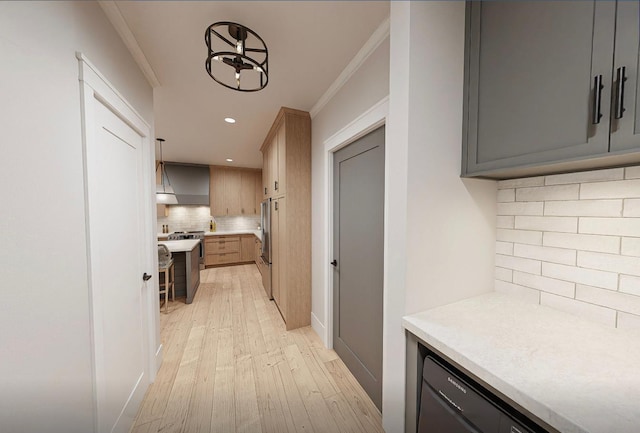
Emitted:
pixel 532 71
pixel 625 119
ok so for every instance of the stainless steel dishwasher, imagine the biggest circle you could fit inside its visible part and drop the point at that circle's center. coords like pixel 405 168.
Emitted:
pixel 448 404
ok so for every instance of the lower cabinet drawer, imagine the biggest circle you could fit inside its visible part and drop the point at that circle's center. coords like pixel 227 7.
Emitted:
pixel 223 246
pixel 222 258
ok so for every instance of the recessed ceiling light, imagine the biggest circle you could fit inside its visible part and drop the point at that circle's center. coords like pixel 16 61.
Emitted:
pixel 229 160
pixel 230 120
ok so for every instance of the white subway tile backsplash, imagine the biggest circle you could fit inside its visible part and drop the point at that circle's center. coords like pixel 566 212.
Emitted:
pixel 607 280
pixel 505 222
pixel 505 248
pixel 591 312
pixel 585 176
pixel 520 183
pixel 185 218
pixel 548 193
pixel 503 274
pixel 518 264
pixel 609 262
pixel 603 244
pixel 629 284
pixel 525 294
pixel 548 224
pixel 520 236
pixel 628 321
pixel 545 254
pixel 595 208
pixel 613 189
pixel 544 284
pixel 506 195
pixel 631 207
pixel 630 247
pixel 632 172
pixel 607 298
pixel 533 208
pixel 610 226
pixel 572 241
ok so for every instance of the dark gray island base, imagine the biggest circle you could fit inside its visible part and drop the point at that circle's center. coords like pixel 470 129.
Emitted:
pixel 186 258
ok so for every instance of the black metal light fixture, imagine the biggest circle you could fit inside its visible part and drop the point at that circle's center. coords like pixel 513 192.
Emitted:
pixel 164 191
pixel 248 57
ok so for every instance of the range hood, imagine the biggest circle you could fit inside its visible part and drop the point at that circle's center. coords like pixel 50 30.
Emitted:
pixel 190 182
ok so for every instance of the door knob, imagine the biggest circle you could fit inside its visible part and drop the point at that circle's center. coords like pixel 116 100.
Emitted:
pixel 146 277
pixel 334 263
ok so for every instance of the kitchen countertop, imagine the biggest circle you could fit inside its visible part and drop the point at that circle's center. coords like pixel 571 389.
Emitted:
pixel 182 246
pixel 577 376
pixel 257 233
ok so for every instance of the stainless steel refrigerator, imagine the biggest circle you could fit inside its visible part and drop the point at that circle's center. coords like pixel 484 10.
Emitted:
pixel 265 259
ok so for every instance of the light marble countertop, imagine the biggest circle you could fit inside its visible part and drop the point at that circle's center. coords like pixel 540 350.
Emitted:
pixel 257 233
pixel 578 376
pixel 182 246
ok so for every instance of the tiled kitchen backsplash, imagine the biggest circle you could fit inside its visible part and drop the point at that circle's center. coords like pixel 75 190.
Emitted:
pixel 185 218
pixel 572 242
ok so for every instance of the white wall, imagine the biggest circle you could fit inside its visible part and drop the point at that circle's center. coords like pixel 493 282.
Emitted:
pixel 45 372
pixel 367 86
pixel 450 222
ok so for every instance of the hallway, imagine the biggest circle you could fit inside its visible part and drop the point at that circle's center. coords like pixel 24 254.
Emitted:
pixel 230 366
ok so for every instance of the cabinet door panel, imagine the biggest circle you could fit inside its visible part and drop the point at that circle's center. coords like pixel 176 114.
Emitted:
pixel 232 185
pixel 216 191
pixel 530 95
pixel 275 252
pixel 625 131
pixel 247 248
pixel 247 192
pixel 273 165
pixel 282 160
pixel 259 191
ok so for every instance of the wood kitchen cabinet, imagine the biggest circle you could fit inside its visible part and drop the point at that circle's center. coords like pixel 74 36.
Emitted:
pixel 233 191
pixel 275 160
pixel 540 90
pixel 229 249
pixel 258 252
pixel 288 143
pixel 247 248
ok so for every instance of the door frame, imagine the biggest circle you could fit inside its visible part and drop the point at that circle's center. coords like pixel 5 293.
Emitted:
pixel 94 85
pixel 372 119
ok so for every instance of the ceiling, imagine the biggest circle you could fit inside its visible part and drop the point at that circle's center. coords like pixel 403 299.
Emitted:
pixel 309 43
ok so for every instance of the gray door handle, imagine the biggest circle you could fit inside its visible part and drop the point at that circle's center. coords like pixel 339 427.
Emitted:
pixel 146 277
pixel 334 263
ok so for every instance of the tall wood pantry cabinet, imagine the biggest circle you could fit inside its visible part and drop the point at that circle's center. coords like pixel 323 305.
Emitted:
pixel 550 86
pixel 287 182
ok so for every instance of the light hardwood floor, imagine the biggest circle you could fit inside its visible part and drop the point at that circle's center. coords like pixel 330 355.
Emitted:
pixel 230 366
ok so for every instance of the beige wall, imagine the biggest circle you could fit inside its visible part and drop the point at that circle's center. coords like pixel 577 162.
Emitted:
pixel 46 363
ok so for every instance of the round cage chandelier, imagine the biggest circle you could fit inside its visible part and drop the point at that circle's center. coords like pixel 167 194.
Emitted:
pixel 240 63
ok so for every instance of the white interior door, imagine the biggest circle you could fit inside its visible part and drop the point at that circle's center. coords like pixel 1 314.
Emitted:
pixel 115 197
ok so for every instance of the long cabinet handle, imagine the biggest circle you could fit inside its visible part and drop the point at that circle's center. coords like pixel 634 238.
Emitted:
pixel 597 99
pixel 621 77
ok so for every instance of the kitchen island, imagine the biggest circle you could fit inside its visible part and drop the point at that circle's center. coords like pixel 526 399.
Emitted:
pixel 186 259
pixel 568 374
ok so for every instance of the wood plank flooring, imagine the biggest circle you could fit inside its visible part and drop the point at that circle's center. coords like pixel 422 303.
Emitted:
pixel 230 366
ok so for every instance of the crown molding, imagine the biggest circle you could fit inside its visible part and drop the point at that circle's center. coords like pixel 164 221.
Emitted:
pixel 114 15
pixel 374 41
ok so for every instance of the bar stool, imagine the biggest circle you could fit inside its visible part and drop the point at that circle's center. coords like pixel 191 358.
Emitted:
pixel 167 283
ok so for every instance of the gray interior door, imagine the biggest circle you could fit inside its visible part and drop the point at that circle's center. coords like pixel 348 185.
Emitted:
pixel 530 95
pixel 359 259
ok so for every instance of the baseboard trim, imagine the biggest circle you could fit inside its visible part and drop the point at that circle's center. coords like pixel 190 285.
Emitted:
pixel 320 329
pixel 130 409
pixel 159 355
